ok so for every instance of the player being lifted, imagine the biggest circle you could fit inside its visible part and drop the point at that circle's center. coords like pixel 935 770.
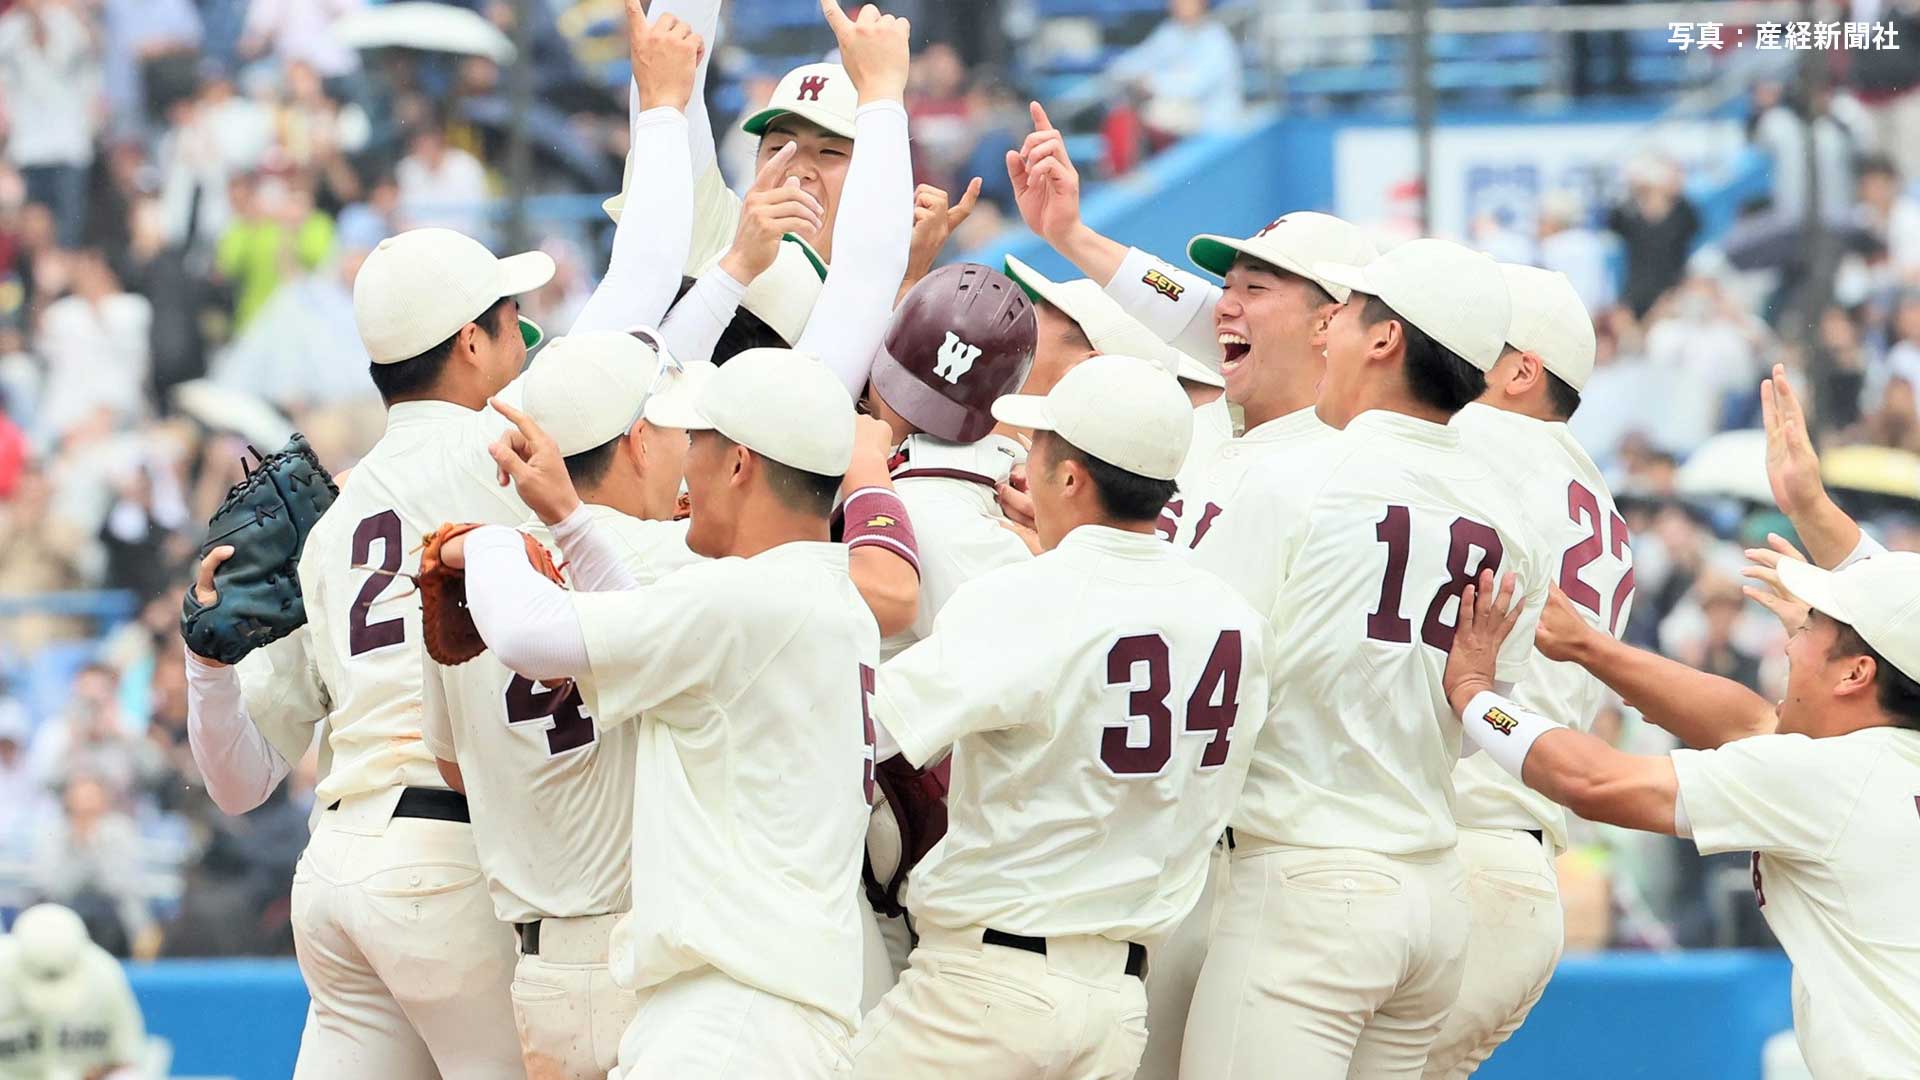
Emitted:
pixel 1343 933
pixel 1509 835
pixel 1102 702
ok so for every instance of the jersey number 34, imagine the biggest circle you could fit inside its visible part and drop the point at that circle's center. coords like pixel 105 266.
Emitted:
pixel 1211 707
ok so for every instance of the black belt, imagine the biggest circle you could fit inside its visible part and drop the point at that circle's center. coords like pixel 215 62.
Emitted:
pixel 529 933
pixel 435 804
pixel 1538 835
pixel 1136 952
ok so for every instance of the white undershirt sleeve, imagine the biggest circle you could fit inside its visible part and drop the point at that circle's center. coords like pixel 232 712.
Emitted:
pixel 239 766
pixel 1682 825
pixel 1865 549
pixel 648 248
pixel 693 327
pixel 871 234
pixel 1175 305
pixel 703 16
pixel 527 621
pixel 593 564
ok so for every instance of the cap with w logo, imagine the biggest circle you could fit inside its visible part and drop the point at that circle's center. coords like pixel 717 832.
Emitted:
pixel 821 93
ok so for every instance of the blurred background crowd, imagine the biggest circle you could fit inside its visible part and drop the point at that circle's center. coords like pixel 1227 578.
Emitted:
pixel 187 188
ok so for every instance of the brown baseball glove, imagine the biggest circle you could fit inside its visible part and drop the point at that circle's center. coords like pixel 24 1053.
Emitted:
pixel 447 625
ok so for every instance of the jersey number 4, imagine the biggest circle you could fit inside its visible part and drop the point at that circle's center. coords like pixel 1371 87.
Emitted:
pixel 1385 622
pixel 569 726
pixel 1211 707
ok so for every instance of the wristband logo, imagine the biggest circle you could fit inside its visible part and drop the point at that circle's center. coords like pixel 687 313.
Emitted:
pixel 1163 285
pixel 882 521
pixel 1500 721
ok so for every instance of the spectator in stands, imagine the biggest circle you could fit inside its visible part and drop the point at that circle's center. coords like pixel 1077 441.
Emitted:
pixel 49 79
pixel 1841 368
pixel 303 349
pixel 277 236
pixel 13 450
pixel 1612 405
pixel 152 53
pixel 90 860
pixel 1892 217
pixel 23 801
pixel 441 185
pixel 1903 357
pixel 1658 226
pixel 300 31
pixel 1887 83
pixel 945 128
pixel 40 551
pixel 91 739
pixel 1186 74
pixel 363 225
pixel 1568 245
pixel 1714 649
pixel 141 535
pixel 1896 422
pixel 1702 348
pixel 95 342
pixel 1782 118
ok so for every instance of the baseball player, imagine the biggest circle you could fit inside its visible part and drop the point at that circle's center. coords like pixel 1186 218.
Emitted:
pixel 1102 701
pixel 1343 932
pixel 66 1012
pixel 748 677
pixel 1076 320
pixel 1821 787
pixel 396 935
pixel 1509 836
pixel 1262 328
pixel 526 753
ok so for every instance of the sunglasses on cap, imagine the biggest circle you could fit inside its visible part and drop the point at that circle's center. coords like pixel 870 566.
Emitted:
pixel 668 363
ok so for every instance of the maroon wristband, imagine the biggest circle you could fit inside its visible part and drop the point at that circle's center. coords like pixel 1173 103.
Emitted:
pixel 875 517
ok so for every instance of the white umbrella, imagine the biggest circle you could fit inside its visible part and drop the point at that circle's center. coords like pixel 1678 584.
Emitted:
pixel 1730 463
pixel 424 26
pixel 223 408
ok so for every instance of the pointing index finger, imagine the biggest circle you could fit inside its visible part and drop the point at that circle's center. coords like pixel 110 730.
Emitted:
pixel 1039 114
pixel 769 175
pixel 836 17
pixel 520 420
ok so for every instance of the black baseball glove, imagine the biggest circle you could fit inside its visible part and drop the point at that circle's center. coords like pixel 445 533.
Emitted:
pixel 265 519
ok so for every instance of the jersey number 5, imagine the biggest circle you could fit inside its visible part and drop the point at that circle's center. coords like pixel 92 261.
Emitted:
pixel 1385 622
pixel 1211 707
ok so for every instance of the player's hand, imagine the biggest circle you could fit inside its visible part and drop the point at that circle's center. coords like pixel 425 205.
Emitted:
pixel 529 458
pixel 1026 533
pixel 771 210
pixel 1774 596
pixel 1046 186
pixel 204 593
pixel 665 55
pixel 933 222
pixel 873 49
pixel 1486 618
pixel 1793 468
pixel 1015 503
pixel 1562 634
pixel 873 444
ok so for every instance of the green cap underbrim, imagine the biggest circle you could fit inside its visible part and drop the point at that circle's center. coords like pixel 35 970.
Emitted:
pixel 1211 255
pixel 530 332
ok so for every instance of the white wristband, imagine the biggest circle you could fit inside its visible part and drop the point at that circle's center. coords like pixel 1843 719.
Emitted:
pixel 1503 729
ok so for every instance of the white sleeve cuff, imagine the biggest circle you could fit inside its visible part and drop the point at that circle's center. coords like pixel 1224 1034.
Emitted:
pixel 1503 729
pixel 593 564
pixel 1866 548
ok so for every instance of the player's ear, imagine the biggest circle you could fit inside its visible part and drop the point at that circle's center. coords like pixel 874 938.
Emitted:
pixel 635 446
pixel 1386 334
pixel 1857 677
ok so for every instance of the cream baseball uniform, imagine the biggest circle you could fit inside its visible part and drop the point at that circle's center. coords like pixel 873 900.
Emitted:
pixel 1101 701
pixel 1509 833
pixel 949 491
pixel 98 1027
pixel 1833 827
pixel 1342 936
pixel 551 793
pixel 749 678
pixel 1215 466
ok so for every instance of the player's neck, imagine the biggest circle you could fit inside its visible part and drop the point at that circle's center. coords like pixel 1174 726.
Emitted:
pixel 1533 407
pixel 764 528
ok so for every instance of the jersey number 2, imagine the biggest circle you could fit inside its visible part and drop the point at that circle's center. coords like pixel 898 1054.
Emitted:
pixel 1211 707
pixel 363 635
pixel 1385 622
pixel 1583 503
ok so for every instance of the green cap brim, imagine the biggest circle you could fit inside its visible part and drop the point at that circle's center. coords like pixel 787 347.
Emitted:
pixel 1211 255
pixel 813 257
pixel 530 332
pixel 1008 268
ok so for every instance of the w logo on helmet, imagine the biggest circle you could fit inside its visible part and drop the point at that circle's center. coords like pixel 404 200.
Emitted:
pixel 956 358
pixel 810 88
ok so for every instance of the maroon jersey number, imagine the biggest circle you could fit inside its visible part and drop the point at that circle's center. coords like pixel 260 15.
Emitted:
pixel 866 719
pixel 1582 503
pixel 569 727
pixel 1211 708
pixel 364 636
pixel 1385 622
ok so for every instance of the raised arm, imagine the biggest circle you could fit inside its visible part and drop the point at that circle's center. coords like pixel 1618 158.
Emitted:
pixel 649 249
pixel 883 557
pixel 870 240
pixel 1793 469
pixel 1176 305
pixel 237 762
pixel 703 17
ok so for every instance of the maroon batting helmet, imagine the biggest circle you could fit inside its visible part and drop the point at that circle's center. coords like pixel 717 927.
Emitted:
pixel 961 339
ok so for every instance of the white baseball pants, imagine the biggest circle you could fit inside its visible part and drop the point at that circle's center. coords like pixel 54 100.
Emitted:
pixel 407 966
pixel 968 1011
pixel 1175 972
pixel 704 1025
pixel 1327 964
pixel 568 1010
pixel 1512 950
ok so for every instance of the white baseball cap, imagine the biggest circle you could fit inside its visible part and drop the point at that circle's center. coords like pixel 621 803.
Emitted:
pixel 1878 596
pixel 417 289
pixel 785 292
pixel 51 944
pixel 588 389
pixel 822 93
pixel 1550 321
pixel 1455 295
pixel 1121 409
pixel 779 403
pixel 1107 325
pixel 1297 243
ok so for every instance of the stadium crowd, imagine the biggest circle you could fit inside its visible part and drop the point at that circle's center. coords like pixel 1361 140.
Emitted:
pixel 187 188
